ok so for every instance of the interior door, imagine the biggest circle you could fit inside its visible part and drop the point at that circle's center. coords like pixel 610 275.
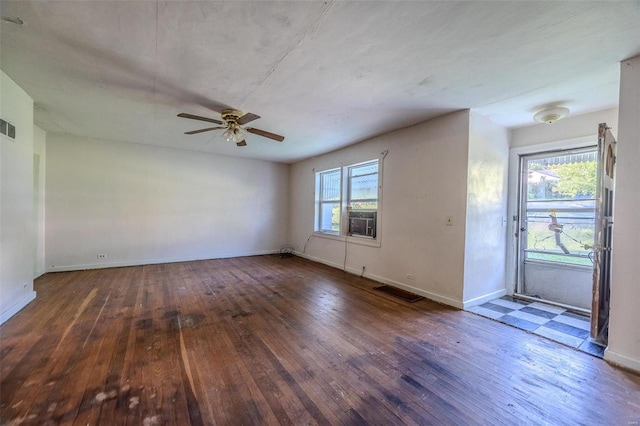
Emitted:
pixel 603 234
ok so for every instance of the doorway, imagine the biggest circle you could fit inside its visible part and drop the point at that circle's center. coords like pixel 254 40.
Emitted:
pixel 565 229
pixel 557 220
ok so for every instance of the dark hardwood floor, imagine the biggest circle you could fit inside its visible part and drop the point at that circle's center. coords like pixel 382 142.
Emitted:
pixel 270 340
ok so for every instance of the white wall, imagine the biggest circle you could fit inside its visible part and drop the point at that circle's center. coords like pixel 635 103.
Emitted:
pixel 139 204
pixel 574 126
pixel 16 201
pixel 624 325
pixel 424 180
pixel 39 151
pixel 485 240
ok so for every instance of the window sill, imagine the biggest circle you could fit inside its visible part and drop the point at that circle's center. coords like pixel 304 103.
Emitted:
pixel 363 241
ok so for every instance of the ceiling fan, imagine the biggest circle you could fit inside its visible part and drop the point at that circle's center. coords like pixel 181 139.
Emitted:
pixel 232 120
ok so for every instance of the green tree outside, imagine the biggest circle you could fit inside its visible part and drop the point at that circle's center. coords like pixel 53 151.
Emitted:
pixel 577 180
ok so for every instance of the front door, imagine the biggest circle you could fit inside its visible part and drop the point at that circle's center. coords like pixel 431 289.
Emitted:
pixel 557 225
pixel 603 235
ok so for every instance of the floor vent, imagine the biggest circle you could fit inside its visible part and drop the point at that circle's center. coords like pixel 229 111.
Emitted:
pixel 407 296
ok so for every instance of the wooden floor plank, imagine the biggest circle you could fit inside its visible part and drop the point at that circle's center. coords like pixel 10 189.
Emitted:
pixel 270 340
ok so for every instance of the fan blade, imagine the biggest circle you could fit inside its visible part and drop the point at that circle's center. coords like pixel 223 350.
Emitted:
pixel 247 118
pixel 265 134
pixel 197 117
pixel 193 132
pixel 242 143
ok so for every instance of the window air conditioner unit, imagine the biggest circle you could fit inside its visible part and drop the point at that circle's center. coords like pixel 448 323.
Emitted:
pixel 362 223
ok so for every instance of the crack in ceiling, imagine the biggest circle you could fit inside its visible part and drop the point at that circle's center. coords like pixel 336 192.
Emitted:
pixel 323 74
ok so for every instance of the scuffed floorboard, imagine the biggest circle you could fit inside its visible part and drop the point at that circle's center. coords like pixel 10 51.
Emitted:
pixel 270 340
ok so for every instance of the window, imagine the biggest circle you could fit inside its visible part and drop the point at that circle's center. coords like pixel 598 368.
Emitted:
pixel 353 187
pixel 363 186
pixel 329 199
pixel 558 206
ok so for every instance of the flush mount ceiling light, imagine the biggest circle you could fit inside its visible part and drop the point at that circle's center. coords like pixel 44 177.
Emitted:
pixel 551 115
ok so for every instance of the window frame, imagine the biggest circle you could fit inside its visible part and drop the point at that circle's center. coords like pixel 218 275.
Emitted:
pixel 320 201
pixel 345 202
pixel 349 169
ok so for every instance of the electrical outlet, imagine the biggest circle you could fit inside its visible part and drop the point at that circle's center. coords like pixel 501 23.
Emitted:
pixel 24 286
pixel 409 276
pixel 102 256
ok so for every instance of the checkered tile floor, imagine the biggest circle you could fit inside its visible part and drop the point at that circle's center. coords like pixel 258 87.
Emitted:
pixel 548 321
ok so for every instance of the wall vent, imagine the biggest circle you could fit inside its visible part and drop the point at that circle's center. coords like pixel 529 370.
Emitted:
pixel 7 128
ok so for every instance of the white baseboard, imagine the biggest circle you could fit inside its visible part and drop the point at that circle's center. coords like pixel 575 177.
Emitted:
pixel 483 299
pixel 15 308
pixel 621 360
pixel 429 295
pixel 119 264
pixel 319 260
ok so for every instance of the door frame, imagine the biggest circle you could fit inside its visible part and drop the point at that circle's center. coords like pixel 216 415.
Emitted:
pixel 607 154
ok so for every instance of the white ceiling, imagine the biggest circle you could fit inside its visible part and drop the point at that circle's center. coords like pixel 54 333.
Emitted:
pixel 325 74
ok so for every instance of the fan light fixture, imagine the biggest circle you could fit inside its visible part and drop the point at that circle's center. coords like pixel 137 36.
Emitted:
pixel 232 122
pixel 233 134
pixel 551 115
